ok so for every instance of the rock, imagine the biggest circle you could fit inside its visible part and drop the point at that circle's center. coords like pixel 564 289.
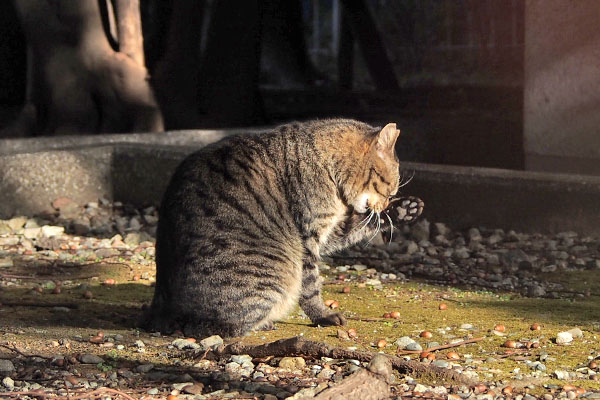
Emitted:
pixel 403 342
pixel 359 267
pixel 212 342
pixel 474 235
pixel 326 374
pixel 241 359
pixel 16 223
pixel 6 262
pixel 90 359
pixel 8 383
pixel 292 363
pixel 139 344
pixel 373 282
pixel 414 346
pixel 536 291
pixel 420 230
pixel 81 226
pixel 512 258
pixel 461 253
pixel 132 239
pixel 381 365
pixel 410 247
pixel 420 388
pixel 152 391
pixel 105 253
pixel 440 363
pixel 576 333
pixel 564 338
pixel 50 231
pixel 441 229
pixel 61 202
pixel 32 233
pixel 195 388
pixel 183 344
pixel 144 368
pixel 466 326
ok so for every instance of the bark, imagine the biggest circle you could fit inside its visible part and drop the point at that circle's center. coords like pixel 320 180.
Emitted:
pixel 175 77
pixel 298 346
pixel 78 82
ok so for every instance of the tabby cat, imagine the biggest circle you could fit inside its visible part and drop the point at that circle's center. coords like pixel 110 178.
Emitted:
pixel 244 222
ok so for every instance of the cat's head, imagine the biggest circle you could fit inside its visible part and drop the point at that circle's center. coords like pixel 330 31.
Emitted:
pixel 377 179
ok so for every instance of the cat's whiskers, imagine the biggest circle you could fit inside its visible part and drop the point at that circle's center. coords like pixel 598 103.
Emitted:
pixel 377 229
pixel 400 184
pixel 391 226
pixel 365 221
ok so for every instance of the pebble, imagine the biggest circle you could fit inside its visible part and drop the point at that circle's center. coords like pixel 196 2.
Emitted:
pixel 292 363
pixel 403 342
pixel 414 346
pixel 152 391
pixel 211 342
pixel 144 368
pixel 564 338
pixel 6 366
pixel 183 344
pixel 90 359
pixel 576 333
pixel 8 383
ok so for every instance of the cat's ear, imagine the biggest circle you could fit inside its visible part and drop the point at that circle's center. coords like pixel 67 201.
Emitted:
pixel 386 140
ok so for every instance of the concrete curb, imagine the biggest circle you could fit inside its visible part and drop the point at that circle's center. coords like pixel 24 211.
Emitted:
pixel 136 169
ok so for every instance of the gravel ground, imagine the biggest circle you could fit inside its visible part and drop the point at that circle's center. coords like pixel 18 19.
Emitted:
pixel 102 233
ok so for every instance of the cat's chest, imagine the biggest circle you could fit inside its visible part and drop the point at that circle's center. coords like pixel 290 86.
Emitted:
pixel 332 221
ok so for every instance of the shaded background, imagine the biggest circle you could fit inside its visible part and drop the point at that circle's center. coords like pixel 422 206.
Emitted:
pixel 466 80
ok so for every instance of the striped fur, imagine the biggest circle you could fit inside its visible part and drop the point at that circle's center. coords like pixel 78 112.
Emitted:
pixel 244 221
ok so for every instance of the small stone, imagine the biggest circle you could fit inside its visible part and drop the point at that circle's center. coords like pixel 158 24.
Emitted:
pixel 461 253
pixel 144 368
pixel 82 226
pixel 195 388
pixel 466 326
pixel 152 391
pixel 440 363
pixel 440 228
pixel 50 231
pixel 359 267
pixel 410 247
pixel 381 365
pixel 536 291
pixel 90 359
pixel 414 346
pixel 212 342
pixel 241 359
pixel 292 363
pixel 420 230
pixel 108 252
pixel 8 383
pixel 419 388
pixel 16 223
pixel 474 235
pixel 183 344
pixel 326 373
pixel 139 344
pixel 403 342
pixel 564 338
pixel 576 333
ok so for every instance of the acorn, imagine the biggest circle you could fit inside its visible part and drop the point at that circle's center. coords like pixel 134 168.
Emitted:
pixel 352 334
pixel 500 328
pixel 452 356
pixel 395 314
pixel 346 289
pixel 510 344
pixel 335 304
pixel 381 343
pixel 535 327
pixel 443 306
pixel 329 302
pixel 426 334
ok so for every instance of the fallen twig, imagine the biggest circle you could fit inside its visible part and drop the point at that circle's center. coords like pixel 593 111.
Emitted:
pixel 16 350
pixel 442 347
pixel 94 394
pixel 37 304
pixel 302 347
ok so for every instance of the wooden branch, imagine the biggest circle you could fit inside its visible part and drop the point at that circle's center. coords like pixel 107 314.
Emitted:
pixel 14 349
pixel 37 304
pixel 365 384
pixel 442 347
pixel 129 28
pixel 98 393
pixel 299 346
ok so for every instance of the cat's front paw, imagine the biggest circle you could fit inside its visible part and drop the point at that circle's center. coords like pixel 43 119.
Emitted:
pixel 333 319
pixel 406 210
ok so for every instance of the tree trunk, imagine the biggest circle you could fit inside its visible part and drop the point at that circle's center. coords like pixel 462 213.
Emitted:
pixel 79 83
pixel 231 64
pixel 175 77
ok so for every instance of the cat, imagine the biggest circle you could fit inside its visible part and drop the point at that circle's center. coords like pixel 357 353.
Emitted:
pixel 244 222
